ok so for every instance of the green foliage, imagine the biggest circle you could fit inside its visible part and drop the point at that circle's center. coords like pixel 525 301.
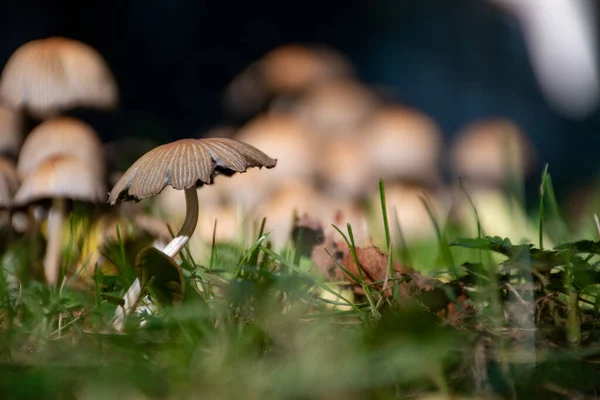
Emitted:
pixel 507 320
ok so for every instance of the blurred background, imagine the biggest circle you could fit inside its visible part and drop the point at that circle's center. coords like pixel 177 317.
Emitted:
pixel 456 61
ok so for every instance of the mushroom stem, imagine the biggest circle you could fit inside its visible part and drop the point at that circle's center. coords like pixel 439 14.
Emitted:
pixel 189 224
pixel 56 215
pixel 132 296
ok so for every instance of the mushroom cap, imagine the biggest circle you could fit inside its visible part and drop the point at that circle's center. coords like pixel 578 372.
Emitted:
pixel 56 73
pixel 9 182
pixel 344 170
pixel 61 176
pixel 294 67
pixel 402 143
pixel 335 108
pixel 186 163
pixel 491 150
pixel 10 131
pixel 61 136
pixel 288 138
pixel 294 196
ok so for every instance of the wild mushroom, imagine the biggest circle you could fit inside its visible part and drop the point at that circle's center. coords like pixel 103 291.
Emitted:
pixel 491 151
pixel 59 178
pixel 185 164
pixel 278 134
pixel 335 108
pixel 285 70
pixel 61 136
pixel 48 75
pixel 403 144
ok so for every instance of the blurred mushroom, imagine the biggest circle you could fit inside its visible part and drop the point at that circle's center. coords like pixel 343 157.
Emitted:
pixel 59 178
pixel 402 144
pixel 185 164
pixel 285 70
pixel 291 199
pixel 491 151
pixel 344 171
pixel 276 134
pixel 62 136
pixel 335 108
pixel 48 75
pixel 10 132
pixel 292 67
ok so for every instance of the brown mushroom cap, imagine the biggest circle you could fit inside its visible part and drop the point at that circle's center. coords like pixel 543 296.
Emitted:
pixel 404 144
pixel 9 182
pixel 186 163
pixel 335 108
pixel 491 150
pixel 10 132
pixel 56 73
pixel 287 137
pixel 61 176
pixel 294 67
pixel 61 136
pixel 344 169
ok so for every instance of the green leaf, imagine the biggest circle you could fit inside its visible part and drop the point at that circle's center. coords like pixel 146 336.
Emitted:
pixel 496 244
pixel 582 246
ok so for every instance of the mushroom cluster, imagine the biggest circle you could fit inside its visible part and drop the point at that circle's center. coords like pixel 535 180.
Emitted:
pixel 335 138
pixel 62 158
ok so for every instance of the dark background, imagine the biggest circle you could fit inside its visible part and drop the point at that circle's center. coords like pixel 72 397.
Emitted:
pixel 456 60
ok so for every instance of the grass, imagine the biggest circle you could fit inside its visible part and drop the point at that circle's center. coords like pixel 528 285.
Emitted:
pixel 509 320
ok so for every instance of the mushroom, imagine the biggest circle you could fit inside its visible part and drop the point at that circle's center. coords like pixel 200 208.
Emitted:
pixel 61 136
pixel 48 75
pixel 285 70
pixel 278 134
pixel 293 197
pixel 403 144
pixel 185 164
pixel 491 151
pixel 292 68
pixel 343 171
pixel 59 178
pixel 335 109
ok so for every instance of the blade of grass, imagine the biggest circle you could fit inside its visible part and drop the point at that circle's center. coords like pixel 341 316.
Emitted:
pixel 441 237
pixel 351 245
pixel 388 241
pixel 541 212
pixel 305 274
pixel 213 247
pixel 406 257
